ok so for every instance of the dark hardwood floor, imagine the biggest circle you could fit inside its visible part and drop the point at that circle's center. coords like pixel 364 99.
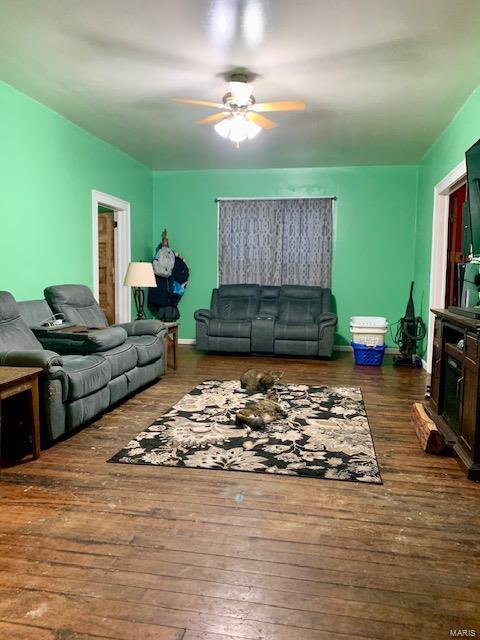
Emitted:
pixel 90 550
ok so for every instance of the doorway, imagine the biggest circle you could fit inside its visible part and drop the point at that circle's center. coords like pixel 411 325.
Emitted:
pixel 111 255
pixel 454 248
pixel 438 264
pixel 106 261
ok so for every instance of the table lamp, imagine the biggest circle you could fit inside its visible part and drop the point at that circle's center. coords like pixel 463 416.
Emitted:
pixel 139 275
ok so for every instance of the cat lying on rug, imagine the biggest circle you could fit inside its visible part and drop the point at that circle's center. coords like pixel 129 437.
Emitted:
pixel 257 415
pixel 254 381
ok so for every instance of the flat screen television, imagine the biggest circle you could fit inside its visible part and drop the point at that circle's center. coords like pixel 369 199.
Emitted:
pixel 471 214
pixel 469 274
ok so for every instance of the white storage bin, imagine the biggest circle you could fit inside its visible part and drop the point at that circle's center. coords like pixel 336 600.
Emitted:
pixel 368 330
pixel 376 322
pixel 369 337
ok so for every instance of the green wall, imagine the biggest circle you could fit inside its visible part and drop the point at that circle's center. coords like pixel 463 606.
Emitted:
pixel 446 152
pixel 48 168
pixel 374 230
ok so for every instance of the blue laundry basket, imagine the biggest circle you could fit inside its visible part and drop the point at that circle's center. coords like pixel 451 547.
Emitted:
pixel 368 356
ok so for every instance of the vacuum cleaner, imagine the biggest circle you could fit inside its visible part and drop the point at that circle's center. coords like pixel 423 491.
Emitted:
pixel 411 329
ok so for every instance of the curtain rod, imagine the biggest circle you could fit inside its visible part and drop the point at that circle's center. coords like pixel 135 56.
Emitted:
pixel 280 198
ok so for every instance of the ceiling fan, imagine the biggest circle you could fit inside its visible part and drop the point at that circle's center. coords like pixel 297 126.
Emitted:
pixel 240 117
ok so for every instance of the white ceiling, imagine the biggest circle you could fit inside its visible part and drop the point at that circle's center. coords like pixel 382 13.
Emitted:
pixel 381 78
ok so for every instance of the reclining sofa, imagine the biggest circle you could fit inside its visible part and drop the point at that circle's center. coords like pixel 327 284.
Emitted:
pixel 84 371
pixel 285 320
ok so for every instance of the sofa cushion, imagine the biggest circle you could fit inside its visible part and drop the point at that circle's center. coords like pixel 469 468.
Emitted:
pixel 237 301
pixel 299 311
pixel 84 409
pixel 295 331
pixel 304 292
pixel 140 376
pixel 149 348
pixel 14 333
pixel 35 312
pixel 229 328
pixel 121 359
pixel 86 374
pixel 237 308
pixel 77 303
pixel 269 298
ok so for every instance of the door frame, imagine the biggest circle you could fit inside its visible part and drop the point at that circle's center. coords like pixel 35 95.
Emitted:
pixel 121 212
pixel 438 264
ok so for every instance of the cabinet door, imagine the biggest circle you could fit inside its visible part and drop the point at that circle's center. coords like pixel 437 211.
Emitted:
pixel 436 364
pixel 470 403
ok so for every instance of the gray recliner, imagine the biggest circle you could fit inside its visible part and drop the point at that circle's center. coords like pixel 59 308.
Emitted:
pixel 284 320
pixel 73 388
pixel 135 350
pixel 84 372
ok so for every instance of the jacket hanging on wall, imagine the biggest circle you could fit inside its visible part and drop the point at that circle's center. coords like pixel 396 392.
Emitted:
pixel 171 275
pixel 164 261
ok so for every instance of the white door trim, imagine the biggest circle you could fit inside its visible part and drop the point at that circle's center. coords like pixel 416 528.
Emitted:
pixel 438 265
pixel 121 210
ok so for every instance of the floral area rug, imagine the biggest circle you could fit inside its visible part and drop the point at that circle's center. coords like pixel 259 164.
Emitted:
pixel 325 435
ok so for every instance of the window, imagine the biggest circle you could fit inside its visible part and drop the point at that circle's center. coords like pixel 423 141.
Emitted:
pixel 273 242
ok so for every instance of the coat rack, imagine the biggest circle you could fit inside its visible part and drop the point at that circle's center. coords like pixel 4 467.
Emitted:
pixel 165 241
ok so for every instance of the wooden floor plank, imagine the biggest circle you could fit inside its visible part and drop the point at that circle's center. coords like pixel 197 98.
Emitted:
pixel 90 550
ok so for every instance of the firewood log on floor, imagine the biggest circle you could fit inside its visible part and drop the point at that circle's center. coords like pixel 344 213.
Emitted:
pixel 430 438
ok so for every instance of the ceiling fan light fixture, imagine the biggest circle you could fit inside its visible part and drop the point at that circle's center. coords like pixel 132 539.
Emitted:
pixel 240 117
pixel 240 92
pixel 252 129
pixel 223 128
pixel 237 128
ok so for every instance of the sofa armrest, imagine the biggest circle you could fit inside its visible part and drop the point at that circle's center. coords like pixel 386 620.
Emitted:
pixel 84 342
pixel 327 319
pixel 49 361
pixel 203 315
pixel 327 322
pixel 143 327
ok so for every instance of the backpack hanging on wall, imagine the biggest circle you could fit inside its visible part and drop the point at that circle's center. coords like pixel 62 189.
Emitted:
pixel 164 261
pixel 171 275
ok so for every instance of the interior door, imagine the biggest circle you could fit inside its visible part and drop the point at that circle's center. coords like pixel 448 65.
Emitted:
pixel 454 257
pixel 106 263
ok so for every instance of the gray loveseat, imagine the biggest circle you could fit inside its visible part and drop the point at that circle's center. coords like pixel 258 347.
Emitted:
pixel 84 373
pixel 286 320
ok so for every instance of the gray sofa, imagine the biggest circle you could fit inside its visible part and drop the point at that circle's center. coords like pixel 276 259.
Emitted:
pixel 84 373
pixel 286 320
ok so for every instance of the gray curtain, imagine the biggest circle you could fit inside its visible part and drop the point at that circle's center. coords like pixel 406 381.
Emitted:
pixel 275 241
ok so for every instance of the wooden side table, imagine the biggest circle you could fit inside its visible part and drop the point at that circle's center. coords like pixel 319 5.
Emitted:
pixel 15 380
pixel 171 340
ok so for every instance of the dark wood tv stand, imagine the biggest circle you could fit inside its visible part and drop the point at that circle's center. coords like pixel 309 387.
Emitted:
pixel 454 400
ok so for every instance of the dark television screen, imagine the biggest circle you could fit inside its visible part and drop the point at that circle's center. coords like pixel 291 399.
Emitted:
pixel 471 286
pixel 473 178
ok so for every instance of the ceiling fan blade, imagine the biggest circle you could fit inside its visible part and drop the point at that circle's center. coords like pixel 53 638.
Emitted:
pixel 286 105
pixel 201 103
pixel 215 117
pixel 262 121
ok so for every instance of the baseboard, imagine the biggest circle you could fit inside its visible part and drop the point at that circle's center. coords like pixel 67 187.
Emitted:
pixel 337 347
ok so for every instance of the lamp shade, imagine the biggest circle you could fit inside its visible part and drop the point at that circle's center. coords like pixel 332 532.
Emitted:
pixel 140 274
